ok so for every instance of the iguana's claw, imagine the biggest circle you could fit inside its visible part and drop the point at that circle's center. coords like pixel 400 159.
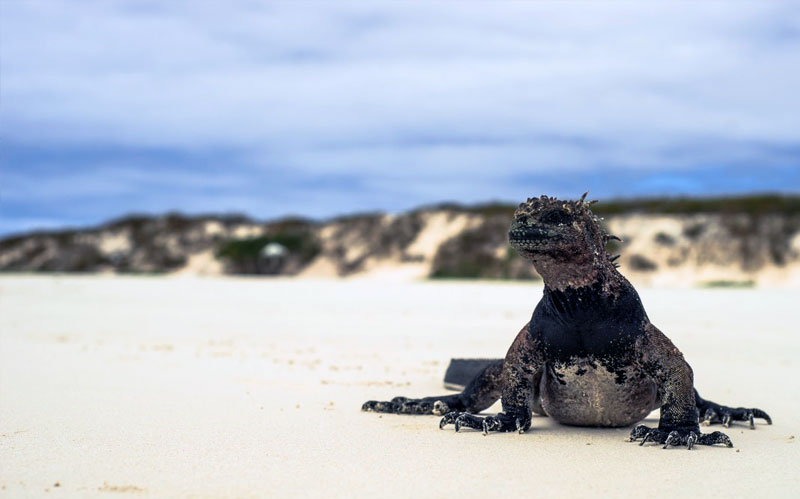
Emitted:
pixel 729 414
pixel 678 437
pixel 448 419
pixel 692 439
pixel 384 406
pixel 378 406
pixel 460 419
pixel 501 422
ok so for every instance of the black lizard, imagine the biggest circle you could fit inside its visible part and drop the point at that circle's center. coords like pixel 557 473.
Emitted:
pixel 589 356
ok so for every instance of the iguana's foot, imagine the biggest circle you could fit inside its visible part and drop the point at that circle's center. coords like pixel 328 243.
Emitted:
pixel 723 414
pixel 403 405
pixel 678 437
pixel 501 422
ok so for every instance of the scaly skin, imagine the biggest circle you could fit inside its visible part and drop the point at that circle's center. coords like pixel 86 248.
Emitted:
pixel 589 356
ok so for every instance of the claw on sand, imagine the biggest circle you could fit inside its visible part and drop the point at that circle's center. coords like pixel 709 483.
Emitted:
pixel 691 440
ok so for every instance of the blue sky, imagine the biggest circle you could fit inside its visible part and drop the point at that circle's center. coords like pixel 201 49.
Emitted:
pixel 321 109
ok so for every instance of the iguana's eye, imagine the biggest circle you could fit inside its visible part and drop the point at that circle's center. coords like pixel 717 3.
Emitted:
pixel 556 217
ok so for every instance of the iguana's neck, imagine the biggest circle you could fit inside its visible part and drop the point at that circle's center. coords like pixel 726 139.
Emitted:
pixel 580 272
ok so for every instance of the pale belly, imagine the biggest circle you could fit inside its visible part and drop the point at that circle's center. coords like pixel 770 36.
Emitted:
pixel 583 395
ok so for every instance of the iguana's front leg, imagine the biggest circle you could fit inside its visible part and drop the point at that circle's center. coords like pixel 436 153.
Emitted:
pixel 480 393
pixel 523 360
pixel 664 363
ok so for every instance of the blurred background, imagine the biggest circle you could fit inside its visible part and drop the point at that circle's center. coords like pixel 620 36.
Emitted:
pixel 342 175
pixel 393 139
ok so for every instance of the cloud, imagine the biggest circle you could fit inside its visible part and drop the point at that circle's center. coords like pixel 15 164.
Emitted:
pixel 382 105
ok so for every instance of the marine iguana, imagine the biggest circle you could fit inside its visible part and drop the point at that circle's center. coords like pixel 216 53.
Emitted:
pixel 589 355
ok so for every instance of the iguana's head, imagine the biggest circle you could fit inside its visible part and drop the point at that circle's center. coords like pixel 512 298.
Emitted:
pixel 558 230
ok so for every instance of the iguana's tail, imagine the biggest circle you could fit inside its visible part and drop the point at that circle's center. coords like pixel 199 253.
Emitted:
pixel 461 371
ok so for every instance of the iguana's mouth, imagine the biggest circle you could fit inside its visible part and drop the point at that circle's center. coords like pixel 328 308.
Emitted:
pixel 530 238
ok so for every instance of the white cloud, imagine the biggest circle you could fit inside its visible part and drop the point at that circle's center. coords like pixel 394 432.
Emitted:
pixel 405 94
pixel 308 73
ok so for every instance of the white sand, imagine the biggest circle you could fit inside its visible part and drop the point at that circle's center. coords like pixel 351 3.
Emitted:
pixel 221 387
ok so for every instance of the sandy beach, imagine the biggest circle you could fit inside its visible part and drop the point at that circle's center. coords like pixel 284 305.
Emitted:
pixel 212 387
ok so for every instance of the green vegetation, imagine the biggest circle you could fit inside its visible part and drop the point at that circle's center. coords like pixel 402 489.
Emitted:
pixel 755 204
pixel 302 245
pixel 244 254
pixel 641 263
pixel 728 284
pixel 471 269
pixel 467 255
pixel 664 239
pixel 472 255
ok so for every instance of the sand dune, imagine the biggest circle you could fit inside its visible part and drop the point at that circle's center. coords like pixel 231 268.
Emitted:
pixel 252 387
pixel 749 241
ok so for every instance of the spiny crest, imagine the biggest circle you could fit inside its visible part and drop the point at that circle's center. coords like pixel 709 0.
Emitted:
pixel 580 207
